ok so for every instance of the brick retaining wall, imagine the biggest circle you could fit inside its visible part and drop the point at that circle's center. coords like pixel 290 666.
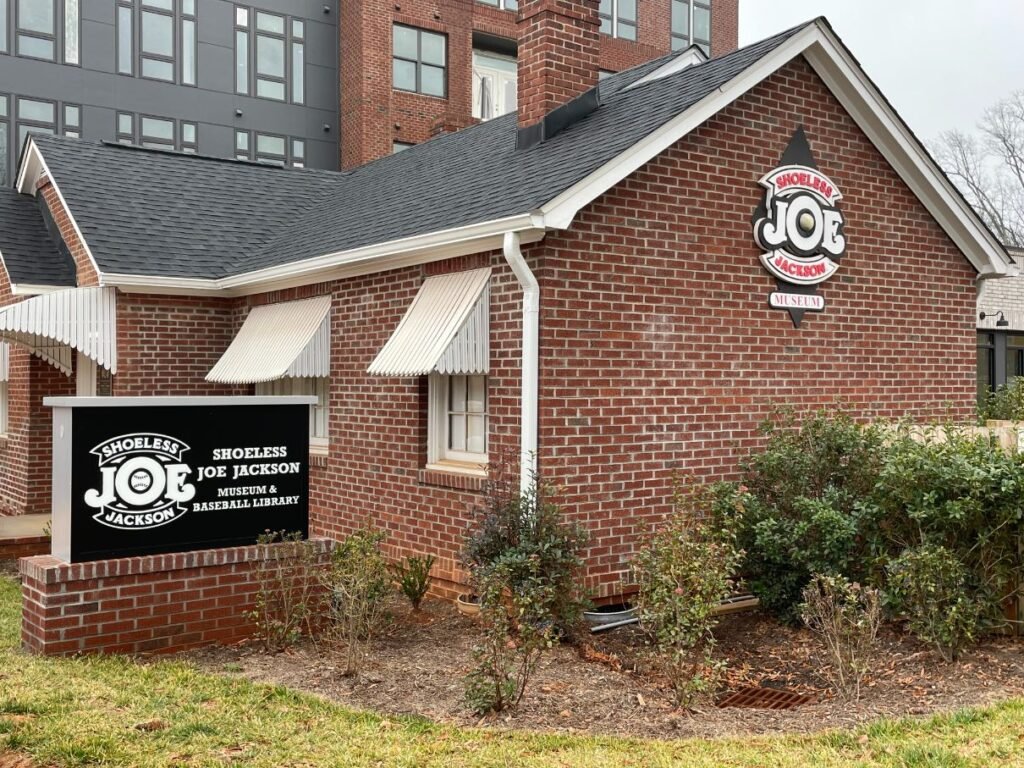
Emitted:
pixel 24 546
pixel 152 604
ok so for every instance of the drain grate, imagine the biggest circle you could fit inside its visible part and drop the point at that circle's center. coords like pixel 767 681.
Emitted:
pixel 764 698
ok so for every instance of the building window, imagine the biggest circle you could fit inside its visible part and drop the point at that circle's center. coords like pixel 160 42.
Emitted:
pixel 318 387
pixel 505 5
pixel 1014 356
pixel 458 420
pixel 494 84
pixel 5 137
pixel 986 364
pixel 3 26
pixel 166 35
pixel 35 115
pixel 189 137
pixel 618 18
pixel 41 26
pixel 270 55
pixel 400 146
pixel 691 24
pixel 419 61
pixel 270 148
pixel 125 128
pixel 73 121
pixel 158 132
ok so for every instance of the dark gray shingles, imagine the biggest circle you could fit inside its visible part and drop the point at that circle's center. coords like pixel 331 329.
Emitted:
pixel 152 212
pixel 157 213
pixel 29 253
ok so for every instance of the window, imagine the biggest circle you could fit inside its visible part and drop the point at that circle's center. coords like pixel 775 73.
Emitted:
pixel 5 137
pixel 166 35
pixel 505 5
pixel 3 407
pixel 1014 356
pixel 158 132
pixel 986 364
pixel 320 388
pixel 691 24
pixel 400 146
pixel 494 84
pixel 73 121
pixel 270 148
pixel 270 55
pixel 419 61
pixel 618 18
pixel 41 27
pixel 35 115
pixel 458 420
pixel 3 26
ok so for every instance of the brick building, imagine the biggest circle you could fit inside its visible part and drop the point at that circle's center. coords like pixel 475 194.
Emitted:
pixel 1001 330
pixel 578 284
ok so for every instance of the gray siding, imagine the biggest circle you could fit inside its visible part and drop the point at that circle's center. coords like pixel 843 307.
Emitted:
pixel 212 104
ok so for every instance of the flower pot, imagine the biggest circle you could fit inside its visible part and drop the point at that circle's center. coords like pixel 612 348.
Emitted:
pixel 610 614
pixel 468 605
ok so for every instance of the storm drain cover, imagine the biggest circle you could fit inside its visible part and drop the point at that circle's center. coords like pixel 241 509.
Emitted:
pixel 764 698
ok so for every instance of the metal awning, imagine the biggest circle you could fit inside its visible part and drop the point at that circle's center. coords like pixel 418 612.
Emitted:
pixel 292 338
pixel 54 325
pixel 5 361
pixel 446 329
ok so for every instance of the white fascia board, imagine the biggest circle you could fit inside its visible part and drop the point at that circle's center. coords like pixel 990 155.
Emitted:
pixel 33 168
pixel 867 107
pixel 422 249
pixel 30 289
pixel 911 161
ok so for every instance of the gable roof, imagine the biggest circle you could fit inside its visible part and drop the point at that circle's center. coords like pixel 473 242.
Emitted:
pixel 225 225
pixel 31 256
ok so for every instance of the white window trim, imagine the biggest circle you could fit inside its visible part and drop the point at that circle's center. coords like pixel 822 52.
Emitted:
pixel 438 456
pixel 4 409
pixel 318 445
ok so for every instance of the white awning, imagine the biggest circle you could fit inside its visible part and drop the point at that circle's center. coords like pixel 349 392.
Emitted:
pixel 446 329
pixel 292 338
pixel 54 324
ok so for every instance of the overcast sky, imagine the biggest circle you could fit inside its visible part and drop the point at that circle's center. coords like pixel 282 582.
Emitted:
pixel 940 62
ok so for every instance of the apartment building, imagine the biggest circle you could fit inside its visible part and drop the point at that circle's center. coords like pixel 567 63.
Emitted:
pixel 264 81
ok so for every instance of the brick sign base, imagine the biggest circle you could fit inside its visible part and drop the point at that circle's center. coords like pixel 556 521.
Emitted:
pixel 153 604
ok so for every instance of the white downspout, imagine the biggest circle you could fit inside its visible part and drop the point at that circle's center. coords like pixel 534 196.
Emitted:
pixel 531 351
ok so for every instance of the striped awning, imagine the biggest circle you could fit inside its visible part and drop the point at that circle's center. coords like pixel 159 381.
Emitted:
pixel 55 325
pixel 445 330
pixel 289 339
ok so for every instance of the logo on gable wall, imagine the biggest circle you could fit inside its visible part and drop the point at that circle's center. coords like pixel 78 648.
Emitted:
pixel 800 227
pixel 143 481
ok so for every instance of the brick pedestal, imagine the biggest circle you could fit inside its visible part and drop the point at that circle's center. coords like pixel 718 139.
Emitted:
pixel 152 604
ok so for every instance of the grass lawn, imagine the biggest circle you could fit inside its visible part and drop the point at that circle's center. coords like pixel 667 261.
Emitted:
pixel 83 712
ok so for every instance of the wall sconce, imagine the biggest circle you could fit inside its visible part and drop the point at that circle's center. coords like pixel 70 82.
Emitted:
pixel 1002 322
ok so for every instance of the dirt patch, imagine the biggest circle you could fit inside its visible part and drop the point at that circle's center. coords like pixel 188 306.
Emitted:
pixel 14 760
pixel 418 664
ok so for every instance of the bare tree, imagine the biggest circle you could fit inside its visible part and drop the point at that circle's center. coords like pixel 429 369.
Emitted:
pixel 989 169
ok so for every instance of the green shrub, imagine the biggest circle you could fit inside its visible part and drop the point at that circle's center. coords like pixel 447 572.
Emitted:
pixel 359 584
pixel 682 573
pixel 413 576
pixel 1006 403
pixel 846 616
pixel 805 509
pixel 286 595
pixel 523 559
pixel 929 585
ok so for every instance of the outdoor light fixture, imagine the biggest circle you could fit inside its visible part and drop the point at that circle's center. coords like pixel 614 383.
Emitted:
pixel 1002 322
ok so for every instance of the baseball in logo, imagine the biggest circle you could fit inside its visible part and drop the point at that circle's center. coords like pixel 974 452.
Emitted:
pixel 800 227
pixel 144 481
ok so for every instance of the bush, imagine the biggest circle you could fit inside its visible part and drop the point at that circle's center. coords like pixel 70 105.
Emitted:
pixel 929 585
pixel 805 508
pixel 523 560
pixel 1006 403
pixel 359 584
pixel 682 573
pixel 286 581
pixel 413 576
pixel 846 616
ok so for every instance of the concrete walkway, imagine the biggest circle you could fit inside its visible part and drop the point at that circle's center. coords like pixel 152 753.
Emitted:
pixel 23 526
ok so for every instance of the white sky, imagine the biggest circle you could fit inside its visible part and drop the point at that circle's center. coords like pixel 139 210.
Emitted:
pixel 939 62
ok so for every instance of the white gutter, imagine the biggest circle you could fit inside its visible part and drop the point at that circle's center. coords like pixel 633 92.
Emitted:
pixel 530 365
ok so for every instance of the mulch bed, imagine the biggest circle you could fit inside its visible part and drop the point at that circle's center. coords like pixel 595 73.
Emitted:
pixel 417 665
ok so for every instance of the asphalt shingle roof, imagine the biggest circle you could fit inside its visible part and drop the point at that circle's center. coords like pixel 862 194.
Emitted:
pixel 158 213
pixel 29 253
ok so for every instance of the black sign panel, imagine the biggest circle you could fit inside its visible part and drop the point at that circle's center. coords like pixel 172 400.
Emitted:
pixel 155 479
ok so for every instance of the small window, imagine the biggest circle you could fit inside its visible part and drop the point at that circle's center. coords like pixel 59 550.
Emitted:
pixel 400 146
pixel 270 55
pixel 419 61
pixel 505 5
pixel 37 29
pixel 125 128
pixel 35 115
pixel 986 365
pixel 618 18
pixel 157 133
pixel 494 84
pixel 125 39
pixel 298 153
pixel 189 137
pixel 3 28
pixel 271 149
pixel 458 420
pixel 318 414
pixel 691 24
pixel 73 121
pixel 5 137
pixel 157 44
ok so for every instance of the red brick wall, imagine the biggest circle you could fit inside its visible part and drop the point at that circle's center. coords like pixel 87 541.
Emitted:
pixel 24 546
pixel 374 116
pixel 84 268
pixel 152 604
pixel 660 351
